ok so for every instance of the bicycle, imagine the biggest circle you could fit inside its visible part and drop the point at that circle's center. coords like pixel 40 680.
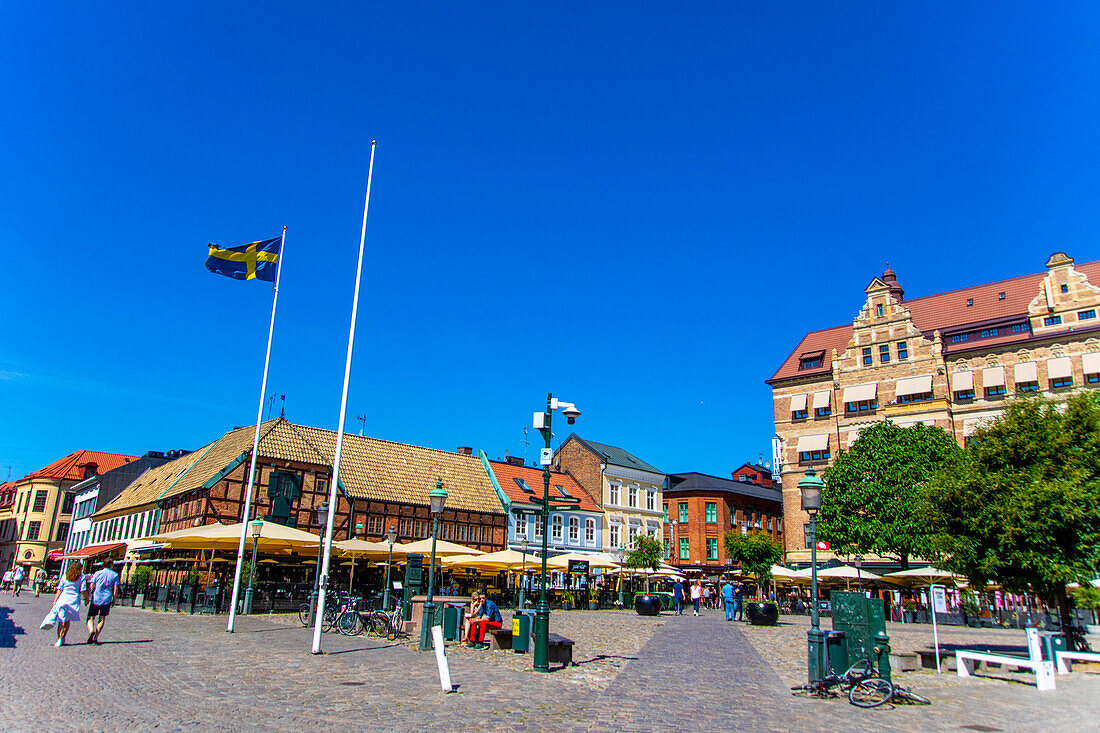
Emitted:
pixel 904 694
pixel 390 624
pixel 865 689
pixel 349 621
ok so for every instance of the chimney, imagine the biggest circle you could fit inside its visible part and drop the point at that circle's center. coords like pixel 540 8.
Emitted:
pixel 90 469
pixel 464 450
pixel 515 460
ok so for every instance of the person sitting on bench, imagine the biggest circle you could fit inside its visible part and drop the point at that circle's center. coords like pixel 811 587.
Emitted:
pixel 488 617
pixel 475 608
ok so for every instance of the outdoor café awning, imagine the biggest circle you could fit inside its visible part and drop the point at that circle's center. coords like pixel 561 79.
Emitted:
pixel 914 385
pixel 861 392
pixel 93 551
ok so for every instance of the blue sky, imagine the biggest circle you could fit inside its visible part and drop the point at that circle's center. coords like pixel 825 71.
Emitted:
pixel 641 207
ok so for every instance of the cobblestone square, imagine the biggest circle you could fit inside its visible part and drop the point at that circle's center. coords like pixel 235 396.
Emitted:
pixel 163 671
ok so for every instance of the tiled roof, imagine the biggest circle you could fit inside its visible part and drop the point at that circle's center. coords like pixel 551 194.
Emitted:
pixel 693 481
pixel 617 456
pixel 506 474
pixel 69 467
pixel 369 468
pixel 940 312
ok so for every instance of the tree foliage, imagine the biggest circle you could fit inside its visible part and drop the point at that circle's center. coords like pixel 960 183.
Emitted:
pixel 870 501
pixel 1021 506
pixel 756 552
pixel 647 554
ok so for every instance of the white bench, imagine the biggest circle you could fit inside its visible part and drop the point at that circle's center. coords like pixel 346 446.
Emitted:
pixel 967 661
pixel 1065 660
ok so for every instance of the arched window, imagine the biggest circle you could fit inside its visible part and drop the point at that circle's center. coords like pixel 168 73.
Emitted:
pixel 574 530
pixel 556 525
pixel 590 532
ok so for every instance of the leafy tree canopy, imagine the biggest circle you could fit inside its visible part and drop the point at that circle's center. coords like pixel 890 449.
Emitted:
pixel 872 491
pixel 756 552
pixel 647 554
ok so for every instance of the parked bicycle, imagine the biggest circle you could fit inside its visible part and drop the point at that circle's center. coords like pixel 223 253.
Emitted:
pixel 389 625
pixel 864 687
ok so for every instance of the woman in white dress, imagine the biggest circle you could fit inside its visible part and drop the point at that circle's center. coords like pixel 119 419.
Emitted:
pixel 66 603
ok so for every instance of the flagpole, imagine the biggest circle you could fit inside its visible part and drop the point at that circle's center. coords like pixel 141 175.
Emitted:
pixel 335 480
pixel 255 444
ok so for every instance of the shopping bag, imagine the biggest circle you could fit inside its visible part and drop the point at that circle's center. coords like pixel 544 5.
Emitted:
pixel 49 620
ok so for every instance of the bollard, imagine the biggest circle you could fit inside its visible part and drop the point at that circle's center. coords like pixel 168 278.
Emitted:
pixel 881 651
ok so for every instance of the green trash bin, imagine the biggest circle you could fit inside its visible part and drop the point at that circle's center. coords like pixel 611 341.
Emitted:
pixel 450 622
pixel 836 649
pixel 521 633
pixel 1052 643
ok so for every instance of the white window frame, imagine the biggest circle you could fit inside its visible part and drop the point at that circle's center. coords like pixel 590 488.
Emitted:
pixel 613 535
pixel 556 527
pixel 651 500
pixel 614 493
pixel 520 529
pixel 574 530
pixel 590 532
pixel 538 526
pixel 632 496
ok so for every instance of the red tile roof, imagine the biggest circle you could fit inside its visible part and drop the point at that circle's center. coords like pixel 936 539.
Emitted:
pixel 506 473
pixel 71 466
pixel 939 312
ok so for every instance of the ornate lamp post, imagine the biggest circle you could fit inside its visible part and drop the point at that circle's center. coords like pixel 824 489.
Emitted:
pixel 523 573
pixel 351 576
pixel 438 499
pixel 811 487
pixel 620 557
pixel 391 537
pixel 542 613
pixel 322 520
pixel 859 577
pixel 256 526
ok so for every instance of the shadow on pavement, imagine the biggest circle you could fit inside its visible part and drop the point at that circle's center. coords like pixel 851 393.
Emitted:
pixel 8 629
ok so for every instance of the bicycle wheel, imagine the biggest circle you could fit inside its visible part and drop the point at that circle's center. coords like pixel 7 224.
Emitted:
pixel 378 624
pixel 350 624
pixel 905 695
pixel 871 692
pixel 303 614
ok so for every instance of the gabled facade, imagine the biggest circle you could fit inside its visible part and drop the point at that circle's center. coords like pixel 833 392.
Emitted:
pixel 577 529
pixel 948 360
pixel 629 489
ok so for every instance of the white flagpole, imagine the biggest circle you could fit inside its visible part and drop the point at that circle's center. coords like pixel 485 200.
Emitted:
pixel 335 480
pixel 255 444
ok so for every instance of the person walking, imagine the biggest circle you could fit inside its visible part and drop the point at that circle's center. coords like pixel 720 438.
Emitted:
pixel 727 599
pixel 678 596
pixel 38 580
pixel 66 602
pixel 103 586
pixel 696 595
pixel 739 602
pixel 17 576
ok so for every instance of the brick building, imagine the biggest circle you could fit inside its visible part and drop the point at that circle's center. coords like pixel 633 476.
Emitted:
pixel 700 509
pixel 948 360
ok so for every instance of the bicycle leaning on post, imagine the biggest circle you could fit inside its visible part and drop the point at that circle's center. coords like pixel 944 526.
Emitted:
pixel 865 689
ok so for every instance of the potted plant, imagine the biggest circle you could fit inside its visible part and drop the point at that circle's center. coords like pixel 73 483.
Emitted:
pixel 593 598
pixel 908 608
pixel 567 600
pixel 970 609
pixel 140 580
pixel 757 553
pixel 646 555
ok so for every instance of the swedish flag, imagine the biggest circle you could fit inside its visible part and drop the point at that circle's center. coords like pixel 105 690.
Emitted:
pixel 257 260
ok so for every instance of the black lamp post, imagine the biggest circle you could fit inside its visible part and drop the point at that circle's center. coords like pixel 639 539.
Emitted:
pixel 322 520
pixel 523 573
pixel 859 577
pixel 811 487
pixel 256 526
pixel 438 499
pixel 620 556
pixel 391 537
pixel 351 575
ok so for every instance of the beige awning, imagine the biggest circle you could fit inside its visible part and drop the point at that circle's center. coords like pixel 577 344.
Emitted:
pixel 962 382
pixel 861 392
pixel 993 377
pixel 798 403
pixel 1090 363
pixel 914 385
pixel 1025 372
pixel 823 399
pixel 807 443
pixel 1059 368
pixel 853 436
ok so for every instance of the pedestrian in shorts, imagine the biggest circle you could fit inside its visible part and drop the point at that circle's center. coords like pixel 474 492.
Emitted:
pixel 103 586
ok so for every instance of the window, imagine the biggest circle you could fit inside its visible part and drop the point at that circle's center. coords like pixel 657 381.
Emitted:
pixel 613 494
pixel 1086 315
pixel 40 501
pixel 1065 288
pixel 684 554
pixel 632 534
pixel 650 499
pixel 960 337
pixel 799 414
pixel 989 333
pixel 1052 320
pixel 1001 296
pixel 1021 327
pixel 1061 382
pixel 321 485
pixel 632 496
pixel 823 411
pixel 994 391
pixel 32 530
pixel 67 504
pixel 862 406
pixel 744 478
pixel 964 394
pixel 538 526
pixel 903 350
pixel 613 535
pixel 574 530
pixel 555 528
pixel 921 397
pixel 405 527
pixel 712 512
pixel 806 535
pixel 884 353
pixel 817 455
pixel 969 302
pixel 374 526
pixel 712 548
pixel 1027 387
pixel 813 362
pixel 562 491
pixel 521 526
pixel 590 532
pixel 668 549
pixel 879 310
pixel 683 509
pixel 1092 378
pixel 867 361
pixel 62 531
pixel 666 511
pixel 524 487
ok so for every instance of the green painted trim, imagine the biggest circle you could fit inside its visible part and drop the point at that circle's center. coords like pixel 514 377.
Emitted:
pixel 225 471
pixel 504 500
pixel 343 489
pixel 185 472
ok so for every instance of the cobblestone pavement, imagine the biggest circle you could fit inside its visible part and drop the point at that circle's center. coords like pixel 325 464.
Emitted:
pixel 163 671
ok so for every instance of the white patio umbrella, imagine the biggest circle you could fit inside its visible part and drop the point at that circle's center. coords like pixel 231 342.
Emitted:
pixel 923 576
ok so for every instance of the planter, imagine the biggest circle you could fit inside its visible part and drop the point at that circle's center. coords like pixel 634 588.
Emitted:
pixel 647 604
pixel 593 606
pixel 762 613
pixel 139 599
pixel 566 605
pixel 907 616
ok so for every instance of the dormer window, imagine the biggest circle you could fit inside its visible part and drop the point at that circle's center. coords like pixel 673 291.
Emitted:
pixel 880 310
pixel 811 360
pixel 969 302
pixel 1065 288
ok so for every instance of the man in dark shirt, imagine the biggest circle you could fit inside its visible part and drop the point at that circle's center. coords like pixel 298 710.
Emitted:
pixel 678 595
pixel 739 603
pixel 488 618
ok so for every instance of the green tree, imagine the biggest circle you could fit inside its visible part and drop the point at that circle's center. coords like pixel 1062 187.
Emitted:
pixel 647 554
pixel 1021 506
pixel 870 501
pixel 756 553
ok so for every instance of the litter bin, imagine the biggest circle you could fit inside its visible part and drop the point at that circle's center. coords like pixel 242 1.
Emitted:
pixel 1052 643
pixel 521 633
pixel 450 621
pixel 836 649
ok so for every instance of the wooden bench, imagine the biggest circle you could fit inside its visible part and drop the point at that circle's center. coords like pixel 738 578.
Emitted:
pixel 967 661
pixel 561 650
pixel 500 638
pixel 1065 660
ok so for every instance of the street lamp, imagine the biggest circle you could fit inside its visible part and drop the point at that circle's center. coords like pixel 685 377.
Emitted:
pixel 391 537
pixel 438 499
pixel 351 576
pixel 859 578
pixel 523 573
pixel 256 526
pixel 322 520
pixel 542 613
pixel 811 487
pixel 620 556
